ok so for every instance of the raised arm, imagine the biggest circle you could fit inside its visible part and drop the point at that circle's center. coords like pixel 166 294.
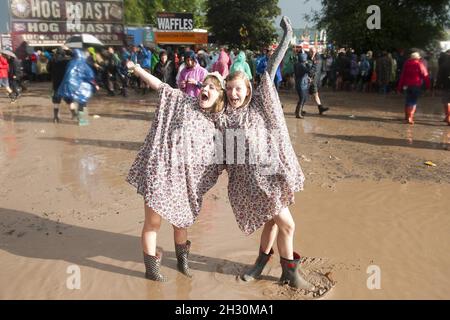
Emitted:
pixel 151 80
pixel 279 53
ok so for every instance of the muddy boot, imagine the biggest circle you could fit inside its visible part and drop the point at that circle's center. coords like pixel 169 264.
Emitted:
pixel 322 109
pixel 182 253
pixel 83 119
pixel 291 276
pixel 298 111
pixel 153 266
pixel 12 97
pixel 55 115
pixel 256 270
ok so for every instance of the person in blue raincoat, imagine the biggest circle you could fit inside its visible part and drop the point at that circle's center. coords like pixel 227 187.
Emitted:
pixel 261 67
pixel 78 84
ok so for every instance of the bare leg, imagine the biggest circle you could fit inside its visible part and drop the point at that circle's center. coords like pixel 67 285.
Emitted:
pixel 317 99
pixel 150 230
pixel 285 238
pixel 179 235
pixel 182 248
pixel 268 236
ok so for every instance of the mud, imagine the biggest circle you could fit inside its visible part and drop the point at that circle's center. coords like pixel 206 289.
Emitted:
pixel 369 201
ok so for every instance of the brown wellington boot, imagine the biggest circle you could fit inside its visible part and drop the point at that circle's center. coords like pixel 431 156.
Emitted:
pixel 291 276
pixel 255 271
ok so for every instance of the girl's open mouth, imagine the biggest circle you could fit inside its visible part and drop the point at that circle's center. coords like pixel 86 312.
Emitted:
pixel 204 97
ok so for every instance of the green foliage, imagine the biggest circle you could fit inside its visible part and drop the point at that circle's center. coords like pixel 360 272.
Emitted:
pixel 242 23
pixel 404 23
pixel 143 12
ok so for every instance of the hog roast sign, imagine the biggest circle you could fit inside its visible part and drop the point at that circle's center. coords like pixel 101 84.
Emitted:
pixel 52 22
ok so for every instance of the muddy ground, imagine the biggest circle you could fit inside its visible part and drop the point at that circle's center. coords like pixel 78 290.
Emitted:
pixel 370 207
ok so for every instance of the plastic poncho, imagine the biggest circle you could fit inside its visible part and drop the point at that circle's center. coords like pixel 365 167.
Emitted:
pixel 79 79
pixel 240 64
pixel 289 62
pixel 221 65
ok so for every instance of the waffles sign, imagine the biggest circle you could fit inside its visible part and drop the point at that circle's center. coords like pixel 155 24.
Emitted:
pixel 56 20
pixel 175 21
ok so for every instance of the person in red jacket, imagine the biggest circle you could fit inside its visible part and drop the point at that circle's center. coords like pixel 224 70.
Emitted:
pixel 413 75
pixel 4 67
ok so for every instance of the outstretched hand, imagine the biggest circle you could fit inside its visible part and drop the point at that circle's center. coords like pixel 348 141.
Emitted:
pixel 285 24
pixel 130 65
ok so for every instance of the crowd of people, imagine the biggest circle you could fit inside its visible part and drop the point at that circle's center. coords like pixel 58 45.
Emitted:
pixel 185 68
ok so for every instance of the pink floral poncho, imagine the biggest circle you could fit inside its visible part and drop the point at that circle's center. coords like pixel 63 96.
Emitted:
pixel 175 166
pixel 259 188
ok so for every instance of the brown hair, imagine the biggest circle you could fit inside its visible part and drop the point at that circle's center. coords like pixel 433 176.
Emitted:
pixel 239 75
pixel 220 102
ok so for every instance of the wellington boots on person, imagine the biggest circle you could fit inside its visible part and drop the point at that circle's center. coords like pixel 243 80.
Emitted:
pixel 13 97
pixel 153 266
pixel 298 111
pixel 182 253
pixel 55 115
pixel 322 109
pixel 256 270
pixel 83 117
pixel 291 276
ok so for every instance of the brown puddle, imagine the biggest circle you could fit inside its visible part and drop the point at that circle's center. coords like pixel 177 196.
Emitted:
pixel 369 202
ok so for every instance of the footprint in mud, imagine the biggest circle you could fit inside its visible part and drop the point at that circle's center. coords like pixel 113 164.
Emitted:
pixel 318 271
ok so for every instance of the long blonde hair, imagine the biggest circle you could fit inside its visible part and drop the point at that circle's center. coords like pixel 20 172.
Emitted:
pixel 220 102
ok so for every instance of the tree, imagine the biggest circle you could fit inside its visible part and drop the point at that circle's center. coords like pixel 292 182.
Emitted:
pixel 242 23
pixel 404 23
pixel 133 12
pixel 144 11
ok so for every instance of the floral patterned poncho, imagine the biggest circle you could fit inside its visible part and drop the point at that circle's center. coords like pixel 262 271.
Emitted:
pixel 175 166
pixel 259 188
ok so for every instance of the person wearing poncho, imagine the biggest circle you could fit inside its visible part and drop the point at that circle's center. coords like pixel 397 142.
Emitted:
pixel 78 84
pixel 240 64
pixel 176 165
pixel 264 173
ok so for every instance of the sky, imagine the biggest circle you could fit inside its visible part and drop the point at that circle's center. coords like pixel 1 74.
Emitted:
pixel 296 9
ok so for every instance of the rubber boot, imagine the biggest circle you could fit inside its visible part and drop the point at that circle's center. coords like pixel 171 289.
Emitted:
pixel 291 276
pixel 153 266
pixel 322 109
pixel 182 253
pixel 83 117
pixel 256 270
pixel 55 115
pixel 297 111
pixel 13 97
